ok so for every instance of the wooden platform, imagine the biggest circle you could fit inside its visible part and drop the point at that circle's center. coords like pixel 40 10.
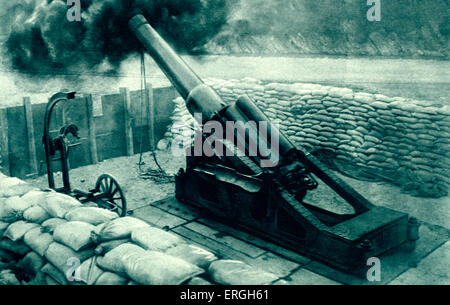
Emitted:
pixel 291 267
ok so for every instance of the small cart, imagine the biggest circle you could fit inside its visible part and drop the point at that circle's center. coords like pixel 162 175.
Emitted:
pixel 107 192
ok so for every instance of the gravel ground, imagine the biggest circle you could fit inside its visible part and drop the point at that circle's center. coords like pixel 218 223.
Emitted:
pixel 140 192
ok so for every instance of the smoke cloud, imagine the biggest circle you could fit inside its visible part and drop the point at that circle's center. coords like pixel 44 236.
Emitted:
pixel 43 40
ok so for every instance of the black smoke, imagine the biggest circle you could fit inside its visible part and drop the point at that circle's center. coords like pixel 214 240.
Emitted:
pixel 43 40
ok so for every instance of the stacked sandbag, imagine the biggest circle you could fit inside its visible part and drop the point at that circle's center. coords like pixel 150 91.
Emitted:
pixel 133 249
pixel 67 243
pixel 232 272
pixel 13 206
pixel 180 133
pixel 403 141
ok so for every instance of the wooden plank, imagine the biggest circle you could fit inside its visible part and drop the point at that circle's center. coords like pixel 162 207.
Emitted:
pixel 91 129
pixel 283 252
pixel 125 94
pixel 267 261
pixel 18 142
pixel 112 118
pixel 221 250
pixel 33 162
pixel 275 264
pixel 225 239
pixel 158 217
pixel 4 144
pixel 150 115
pixel 172 206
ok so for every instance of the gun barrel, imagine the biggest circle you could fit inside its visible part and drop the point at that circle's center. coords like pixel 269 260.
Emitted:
pixel 199 97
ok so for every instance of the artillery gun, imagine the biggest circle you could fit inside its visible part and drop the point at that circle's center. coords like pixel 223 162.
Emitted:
pixel 263 190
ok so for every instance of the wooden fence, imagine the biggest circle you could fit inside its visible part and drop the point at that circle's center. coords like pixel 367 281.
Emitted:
pixel 127 122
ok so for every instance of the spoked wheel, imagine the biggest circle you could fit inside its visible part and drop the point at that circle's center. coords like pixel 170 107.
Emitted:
pixel 111 194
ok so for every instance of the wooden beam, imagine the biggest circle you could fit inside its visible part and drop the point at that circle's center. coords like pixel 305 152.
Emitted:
pixel 91 129
pixel 4 144
pixel 150 116
pixel 125 93
pixel 33 162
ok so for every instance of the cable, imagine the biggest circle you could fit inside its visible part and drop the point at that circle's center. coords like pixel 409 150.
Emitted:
pixel 143 85
pixel 160 175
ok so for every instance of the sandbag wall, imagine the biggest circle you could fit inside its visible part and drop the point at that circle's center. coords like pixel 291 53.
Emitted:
pixel 49 238
pixel 403 141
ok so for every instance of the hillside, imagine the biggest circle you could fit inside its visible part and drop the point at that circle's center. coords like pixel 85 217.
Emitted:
pixel 409 28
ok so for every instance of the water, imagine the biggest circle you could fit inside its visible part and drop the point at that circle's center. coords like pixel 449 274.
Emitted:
pixel 413 78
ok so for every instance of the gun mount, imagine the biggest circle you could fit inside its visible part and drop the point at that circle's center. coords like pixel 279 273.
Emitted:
pixel 268 201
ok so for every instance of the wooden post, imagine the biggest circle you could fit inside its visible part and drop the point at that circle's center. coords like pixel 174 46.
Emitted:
pixel 91 129
pixel 4 144
pixel 150 116
pixel 125 93
pixel 30 134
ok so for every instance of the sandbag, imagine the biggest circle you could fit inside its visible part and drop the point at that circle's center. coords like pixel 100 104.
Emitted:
pixel 17 190
pixel 231 272
pixel 54 273
pixel 35 197
pixel 92 215
pixel 6 256
pixel 97 230
pixel 50 281
pixel 12 208
pixel 109 278
pixel 9 182
pixel 157 268
pixel 151 238
pixel 32 263
pixel 36 214
pixel 18 248
pixel 115 259
pixel 49 225
pixel 38 280
pixel 107 246
pixel 193 254
pixel 37 240
pixel 57 204
pixel 17 203
pixel 3 226
pixel 198 281
pixel 118 228
pixel 17 230
pixel 89 271
pixel 7 277
pixel 74 234
pixel 62 256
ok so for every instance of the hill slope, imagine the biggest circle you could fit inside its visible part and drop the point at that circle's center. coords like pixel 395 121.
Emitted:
pixel 408 28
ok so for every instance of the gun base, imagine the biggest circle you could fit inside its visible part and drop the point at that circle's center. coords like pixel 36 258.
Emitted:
pixel 249 203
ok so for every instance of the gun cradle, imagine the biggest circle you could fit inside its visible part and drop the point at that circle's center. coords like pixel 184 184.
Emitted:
pixel 261 205
pixel 269 202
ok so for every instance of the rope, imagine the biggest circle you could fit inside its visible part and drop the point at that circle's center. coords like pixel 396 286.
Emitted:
pixel 159 175
pixel 143 86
